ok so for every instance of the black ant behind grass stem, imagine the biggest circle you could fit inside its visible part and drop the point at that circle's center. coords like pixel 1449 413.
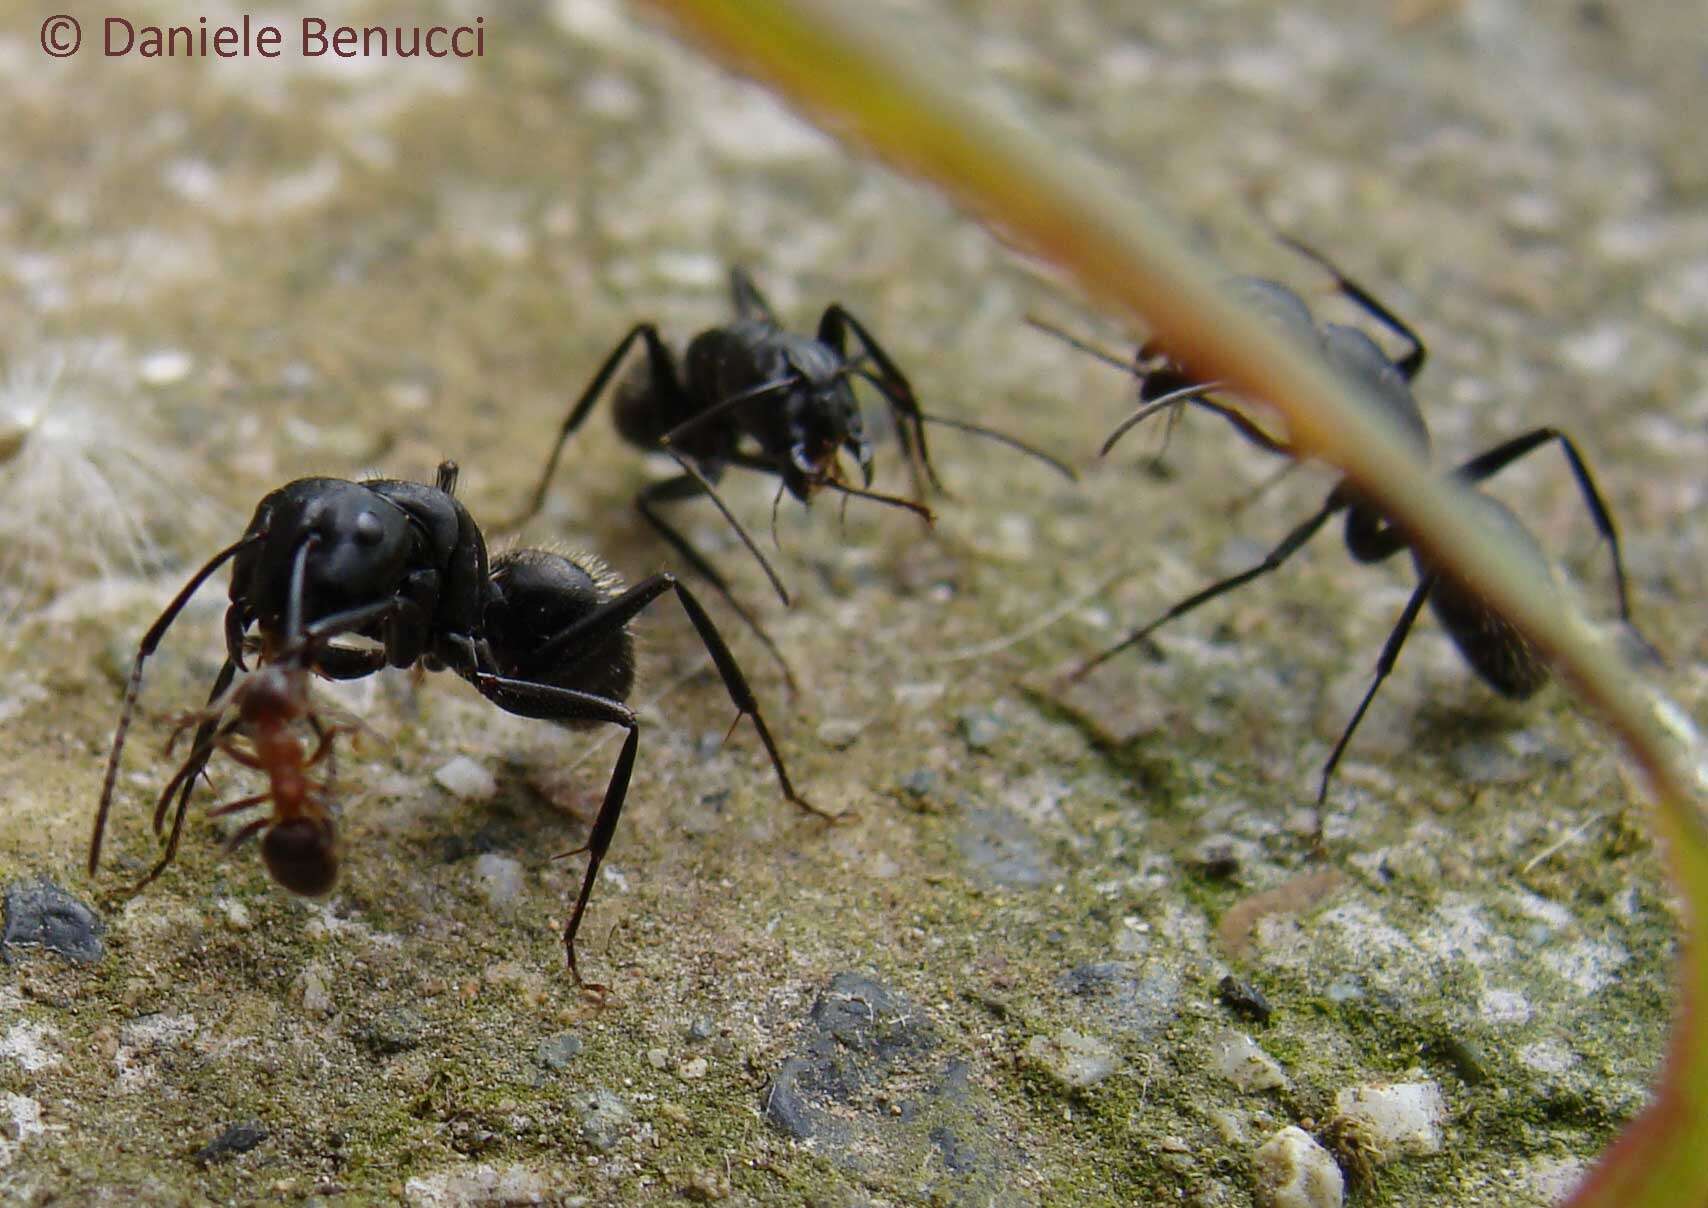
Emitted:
pixel 1497 652
pixel 404 566
pixel 756 396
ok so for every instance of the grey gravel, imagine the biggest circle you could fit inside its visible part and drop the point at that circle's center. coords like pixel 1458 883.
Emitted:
pixel 39 914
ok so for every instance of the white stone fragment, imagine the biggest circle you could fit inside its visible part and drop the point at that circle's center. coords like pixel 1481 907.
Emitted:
pixel 1399 1118
pixel 1293 1171
pixel 165 366
pixel 1072 1058
pixel 20 1119
pixel 499 877
pixel 1240 1060
pixel 26 1044
pixel 466 779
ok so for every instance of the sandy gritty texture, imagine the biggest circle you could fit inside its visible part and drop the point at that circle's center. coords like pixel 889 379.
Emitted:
pixel 998 982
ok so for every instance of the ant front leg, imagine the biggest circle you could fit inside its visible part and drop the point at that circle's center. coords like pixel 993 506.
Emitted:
pixel 663 369
pixel 833 330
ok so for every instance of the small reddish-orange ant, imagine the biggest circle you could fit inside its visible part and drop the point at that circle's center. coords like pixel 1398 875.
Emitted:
pixel 299 840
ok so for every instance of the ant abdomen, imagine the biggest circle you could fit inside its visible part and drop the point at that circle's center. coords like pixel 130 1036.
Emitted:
pixel 301 854
pixel 1505 659
pixel 538 596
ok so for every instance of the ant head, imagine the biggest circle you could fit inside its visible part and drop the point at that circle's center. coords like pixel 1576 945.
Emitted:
pixel 302 855
pixel 273 694
pixel 357 546
pixel 823 420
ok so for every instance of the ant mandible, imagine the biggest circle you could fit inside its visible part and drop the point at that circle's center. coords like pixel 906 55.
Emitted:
pixel 404 565
pixel 754 395
pixel 1497 652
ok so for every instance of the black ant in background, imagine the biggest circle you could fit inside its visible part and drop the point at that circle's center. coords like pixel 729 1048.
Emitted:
pixel 754 395
pixel 403 565
pixel 1497 652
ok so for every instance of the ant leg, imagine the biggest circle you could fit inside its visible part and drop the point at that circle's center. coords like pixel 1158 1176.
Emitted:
pixel 598 842
pixel 896 501
pixel 1486 465
pixel 549 702
pixel 833 330
pixel 616 614
pixel 250 829
pixel 704 483
pixel 739 693
pixel 1384 665
pixel 238 806
pixel 1289 545
pixel 664 373
pixel 133 686
pixel 749 302
pixel 1411 363
pixel 202 747
pixel 685 487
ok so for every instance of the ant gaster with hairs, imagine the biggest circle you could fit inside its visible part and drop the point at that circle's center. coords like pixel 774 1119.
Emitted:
pixel 1497 652
pixel 754 395
pixel 404 565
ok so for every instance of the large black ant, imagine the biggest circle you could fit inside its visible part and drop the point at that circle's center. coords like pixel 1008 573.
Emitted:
pixel 754 395
pixel 1497 652
pixel 404 565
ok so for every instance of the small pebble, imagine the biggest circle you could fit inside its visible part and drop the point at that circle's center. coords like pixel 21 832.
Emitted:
pixel 840 733
pixel 558 1052
pixel 693 1070
pixel 465 779
pixel 236 914
pixel 919 783
pixel 239 1138
pixel 164 367
pixel 980 729
pixel 1245 999
pixel 499 878
pixel 316 998
pixel 39 914
pixel 706 1186
pixel 658 1059
pixel 1074 1060
pixel 395 1031
pixel 1239 1059
pixel 604 1118
pixel 1293 1171
pixel 1399 1118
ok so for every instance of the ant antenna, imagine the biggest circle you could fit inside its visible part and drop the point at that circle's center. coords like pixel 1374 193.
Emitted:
pixel 1073 341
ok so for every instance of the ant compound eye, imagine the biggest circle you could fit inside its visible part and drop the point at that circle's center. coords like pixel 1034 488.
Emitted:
pixel 370 529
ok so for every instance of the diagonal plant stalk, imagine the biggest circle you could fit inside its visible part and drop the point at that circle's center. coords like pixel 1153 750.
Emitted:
pixel 863 78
